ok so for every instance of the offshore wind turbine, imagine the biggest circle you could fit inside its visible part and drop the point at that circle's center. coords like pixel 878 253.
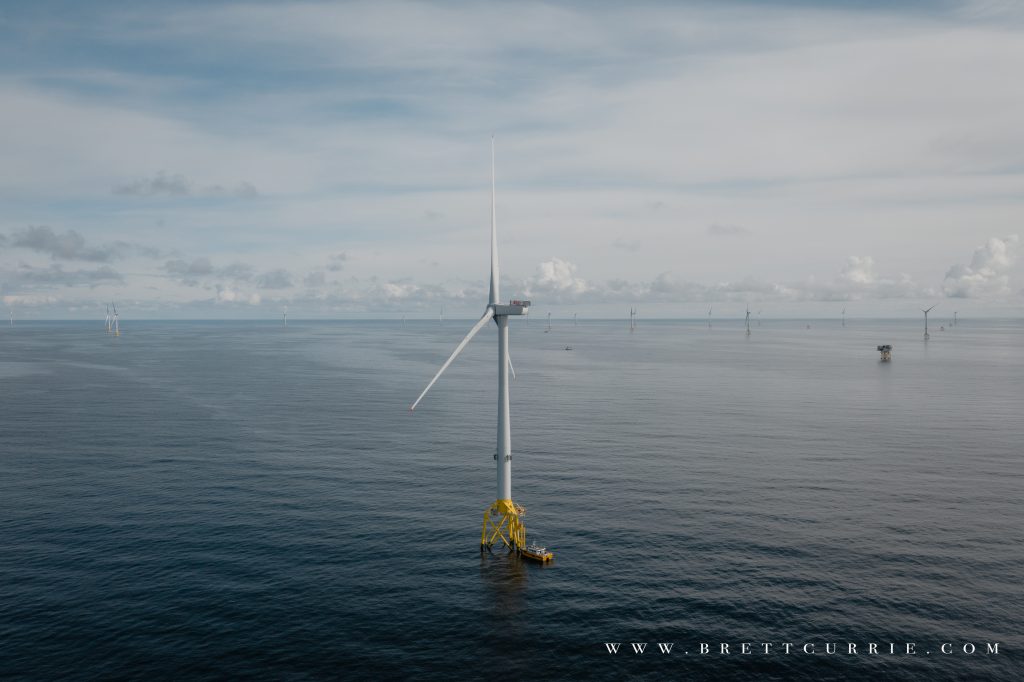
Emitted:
pixel 286 316
pixel 844 317
pixel 748 320
pixel 116 325
pixel 709 317
pixel 109 319
pixel 926 311
pixel 503 519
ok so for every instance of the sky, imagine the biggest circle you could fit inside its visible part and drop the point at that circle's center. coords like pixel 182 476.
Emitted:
pixel 207 160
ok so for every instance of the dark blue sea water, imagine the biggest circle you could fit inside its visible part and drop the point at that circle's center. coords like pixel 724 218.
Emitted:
pixel 225 500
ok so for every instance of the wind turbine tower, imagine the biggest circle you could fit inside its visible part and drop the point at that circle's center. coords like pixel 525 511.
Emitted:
pixel 632 320
pixel 117 326
pixel 926 311
pixel 954 318
pixel 503 520
pixel 748 320
pixel 709 317
pixel 109 319
pixel 12 317
pixel 286 316
pixel 844 317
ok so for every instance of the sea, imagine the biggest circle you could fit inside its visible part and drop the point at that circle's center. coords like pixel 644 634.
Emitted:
pixel 245 500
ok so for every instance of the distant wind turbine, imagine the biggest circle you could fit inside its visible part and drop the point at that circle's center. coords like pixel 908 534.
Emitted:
pixel 844 317
pixel 758 318
pixel 709 317
pixel 503 519
pixel 117 325
pixel 748 320
pixel 109 320
pixel 926 311
pixel 286 316
pixel 549 324
pixel 12 317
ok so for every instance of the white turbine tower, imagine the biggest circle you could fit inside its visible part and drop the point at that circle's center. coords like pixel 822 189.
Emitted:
pixel 748 320
pixel 286 316
pixel 709 317
pixel 109 319
pixel 117 326
pixel 926 311
pixel 503 519
pixel 12 317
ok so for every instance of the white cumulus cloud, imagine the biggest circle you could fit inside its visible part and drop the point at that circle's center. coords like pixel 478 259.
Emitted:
pixel 987 273
pixel 556 279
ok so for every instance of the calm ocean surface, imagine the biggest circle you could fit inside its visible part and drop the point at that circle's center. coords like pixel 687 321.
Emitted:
pixel 224 500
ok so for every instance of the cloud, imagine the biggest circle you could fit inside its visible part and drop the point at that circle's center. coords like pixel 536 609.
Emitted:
pixel 177 185
pixel 859 270
pixel 237 271
pixel 69 245
pixel 30 299
pixel 225 295
pixel 555 279
pixel 161 184
pixel 627 244
pixel 315 279
pixel 274 279
pixel 558 281
pixel 987 273
pixel 198 267
pixel 719 230
pixel 191 272
pixel 56 275
pixel 337 261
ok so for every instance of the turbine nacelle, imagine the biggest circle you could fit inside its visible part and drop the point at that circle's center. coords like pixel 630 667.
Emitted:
pixel 514 307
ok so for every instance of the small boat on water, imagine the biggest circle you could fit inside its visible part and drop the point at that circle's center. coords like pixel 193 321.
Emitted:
pixel 537 553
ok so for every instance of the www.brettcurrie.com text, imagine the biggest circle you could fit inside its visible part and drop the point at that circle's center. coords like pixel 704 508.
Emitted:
pixel 808 648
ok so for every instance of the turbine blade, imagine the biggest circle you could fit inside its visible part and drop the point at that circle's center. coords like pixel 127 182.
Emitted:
pixel 494 295
pixel 458 349
pixel 510 368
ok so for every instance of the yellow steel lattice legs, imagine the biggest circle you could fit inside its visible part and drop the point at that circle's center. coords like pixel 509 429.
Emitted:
pixel 503 521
